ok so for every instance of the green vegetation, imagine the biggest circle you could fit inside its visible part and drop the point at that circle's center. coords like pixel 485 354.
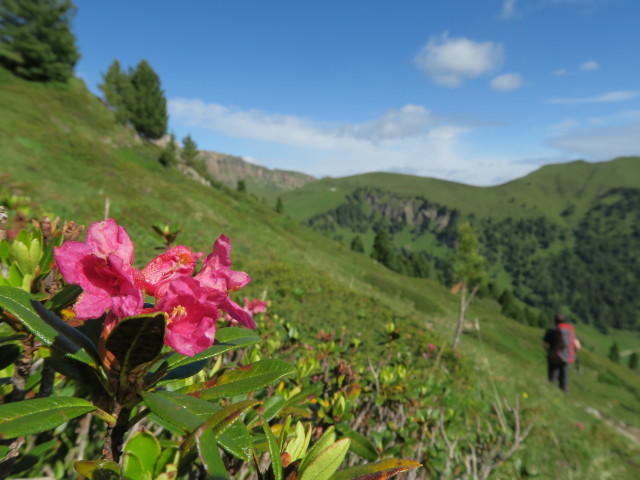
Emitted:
pixel 339 302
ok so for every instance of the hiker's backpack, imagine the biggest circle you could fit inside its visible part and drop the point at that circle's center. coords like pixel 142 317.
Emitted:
pixel 564 343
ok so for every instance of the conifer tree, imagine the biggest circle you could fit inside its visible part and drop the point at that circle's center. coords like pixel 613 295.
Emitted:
pixel 633 361
pixel 189 151
pixel 242 186
pixel 149 106
pixel 118 92
pixel 469 268
pixel 614 353
pixel 356 244
pixel 37 38
pixel 279 205
pixel 169 155
pixel 383 250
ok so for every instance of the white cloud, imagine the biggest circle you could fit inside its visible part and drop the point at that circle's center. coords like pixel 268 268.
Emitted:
pixel 601 143
pixel 560 72
pixel 591 65
pixel 508 9
pixel 617 96
pixel 506 82
pixel 449 60
pixel 407 139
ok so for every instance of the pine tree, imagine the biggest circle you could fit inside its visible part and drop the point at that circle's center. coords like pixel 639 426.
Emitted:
pixel 614 353
pixel 189 151
pixel 37 38
pixel 633 361
pixel 469 268
pixel 356 244
pixel 169 155
pixel 118 92
pixel 383 250
pixel 242 186
pixel 148 107
pixel 279 205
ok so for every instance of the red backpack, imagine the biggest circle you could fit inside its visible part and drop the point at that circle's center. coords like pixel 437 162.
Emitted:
pixel 564 343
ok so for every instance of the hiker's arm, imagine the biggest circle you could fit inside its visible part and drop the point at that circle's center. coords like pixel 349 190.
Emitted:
pixel 577 344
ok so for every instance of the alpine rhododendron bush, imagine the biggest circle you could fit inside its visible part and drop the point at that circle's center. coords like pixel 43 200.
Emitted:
pixel 116 372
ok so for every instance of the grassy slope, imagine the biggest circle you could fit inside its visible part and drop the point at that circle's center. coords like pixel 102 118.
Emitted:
pixel 547 191
pixel 61 147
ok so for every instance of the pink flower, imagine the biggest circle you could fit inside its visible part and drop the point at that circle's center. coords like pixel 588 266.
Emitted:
pixel 103 268
pixel 254 306
pixel 191 327
pixel 431 347
pixel 217 278
pixel 580 426
pixel 162 270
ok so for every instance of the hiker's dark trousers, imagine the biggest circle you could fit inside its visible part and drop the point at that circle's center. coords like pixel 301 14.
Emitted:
pixel 559 372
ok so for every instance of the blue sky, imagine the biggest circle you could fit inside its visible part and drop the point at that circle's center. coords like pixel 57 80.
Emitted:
pixel 475 91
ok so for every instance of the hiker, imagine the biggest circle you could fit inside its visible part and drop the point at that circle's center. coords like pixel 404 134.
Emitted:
pixel 561 345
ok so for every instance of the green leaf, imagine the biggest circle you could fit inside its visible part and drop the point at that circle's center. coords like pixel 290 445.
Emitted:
pixel 63 298
pixel 132 468
pixel 360 445
pixel 237 441
pixel 169 406
pixel 326 464
pixel 242 380
pixel 137 340
pixel 377 471
pixel 226 339
pixel 274 452
pixel 52 332
pixel 166 457
pixel 8 355
pixel 147 448
pixel 327 438
pixel 89 467
pixel 218 422
pixel 210 456
pixel 39 415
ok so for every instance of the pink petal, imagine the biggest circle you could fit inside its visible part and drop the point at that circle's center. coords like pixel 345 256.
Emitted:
pixel 91 305
pixel 237 313
pixel 68 258
pixel 108 237
pixel 158 274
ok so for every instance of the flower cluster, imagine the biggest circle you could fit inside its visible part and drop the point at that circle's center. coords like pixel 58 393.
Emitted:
pixel 103 267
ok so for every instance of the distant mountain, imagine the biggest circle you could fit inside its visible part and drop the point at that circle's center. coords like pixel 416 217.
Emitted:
pixel 229 169
pixel 566 237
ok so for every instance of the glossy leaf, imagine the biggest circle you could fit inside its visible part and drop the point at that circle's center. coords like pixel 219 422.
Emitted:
pixel 147 448
pixel 63 298
pixel 326 464
pixel 132 468
pixel 274 452
pixel 210 456
pixel 169 406
pixel 137 340
pixel 377 471
pixel 166 458
pixel 242 380
pixel 237 441
pixel 87 468
pixel 52 332
pixel 227 339
pixel 39 415
pixel 8 355
pixel 218 422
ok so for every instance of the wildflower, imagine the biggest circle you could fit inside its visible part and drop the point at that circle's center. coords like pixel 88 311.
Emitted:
pixel 191 327
pixel 162 270
pixel 580 426
pixel 217 278
pixel 254 306
pixel 103 268
pixel 525 395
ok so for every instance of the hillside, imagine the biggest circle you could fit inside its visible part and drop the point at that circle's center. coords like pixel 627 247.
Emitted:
pixel 61 151
pixel 562 238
